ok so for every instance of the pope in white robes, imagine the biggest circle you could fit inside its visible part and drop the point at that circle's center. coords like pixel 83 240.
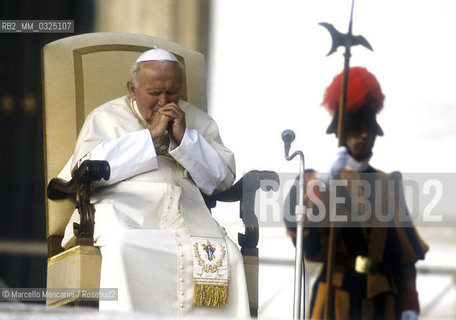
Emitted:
pixel 160 246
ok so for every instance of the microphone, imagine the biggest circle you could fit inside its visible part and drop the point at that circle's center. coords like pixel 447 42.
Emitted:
pixel 288 137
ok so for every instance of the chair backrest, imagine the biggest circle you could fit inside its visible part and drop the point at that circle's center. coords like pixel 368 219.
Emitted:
pixel 84 71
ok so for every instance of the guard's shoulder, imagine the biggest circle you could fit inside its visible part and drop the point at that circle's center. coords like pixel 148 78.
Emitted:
pixel 395 175
pixel 310 172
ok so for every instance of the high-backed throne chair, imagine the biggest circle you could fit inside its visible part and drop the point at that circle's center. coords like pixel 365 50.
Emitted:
pixel 80 73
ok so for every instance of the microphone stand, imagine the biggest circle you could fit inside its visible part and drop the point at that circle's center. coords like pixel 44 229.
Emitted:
pixel 288 136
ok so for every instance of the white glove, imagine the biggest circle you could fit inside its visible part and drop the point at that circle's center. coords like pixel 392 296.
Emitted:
pixel 341 161
pixel 409 315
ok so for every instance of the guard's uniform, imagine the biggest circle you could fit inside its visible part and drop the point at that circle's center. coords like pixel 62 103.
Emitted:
pixel 376 244
pixel 374 272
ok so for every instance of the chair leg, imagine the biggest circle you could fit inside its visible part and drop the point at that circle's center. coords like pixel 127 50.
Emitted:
pixel 251 263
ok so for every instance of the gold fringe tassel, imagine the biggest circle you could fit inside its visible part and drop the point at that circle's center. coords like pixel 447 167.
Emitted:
pixel 210 295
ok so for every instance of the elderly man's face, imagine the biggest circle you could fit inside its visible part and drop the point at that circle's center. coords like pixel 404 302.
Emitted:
pixel 159 83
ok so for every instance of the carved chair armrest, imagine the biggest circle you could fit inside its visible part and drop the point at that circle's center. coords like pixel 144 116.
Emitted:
pixel 244 191
pixel 89 171
pixel 81 184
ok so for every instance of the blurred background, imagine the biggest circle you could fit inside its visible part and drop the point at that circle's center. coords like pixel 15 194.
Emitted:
pixel 267 69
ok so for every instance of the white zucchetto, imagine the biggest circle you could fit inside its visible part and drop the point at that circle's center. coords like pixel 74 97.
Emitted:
pixel 157 54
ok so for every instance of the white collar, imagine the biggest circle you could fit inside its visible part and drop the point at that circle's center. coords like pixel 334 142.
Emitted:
pixel 134 108
pixel 355 165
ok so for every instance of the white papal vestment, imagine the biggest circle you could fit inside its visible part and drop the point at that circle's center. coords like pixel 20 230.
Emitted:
pixel 151 208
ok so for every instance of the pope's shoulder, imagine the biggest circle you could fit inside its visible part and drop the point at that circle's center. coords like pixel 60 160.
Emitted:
pixel 114 105
pixel 194 115
pixel 124 103
pixel 188 107
pixel 114 110
pixel 120 108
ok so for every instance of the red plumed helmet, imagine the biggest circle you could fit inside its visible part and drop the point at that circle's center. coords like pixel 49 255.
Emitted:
pixel 363 90
pixel 364 99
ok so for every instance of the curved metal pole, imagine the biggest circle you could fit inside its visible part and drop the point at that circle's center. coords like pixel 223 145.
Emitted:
pixel 288 136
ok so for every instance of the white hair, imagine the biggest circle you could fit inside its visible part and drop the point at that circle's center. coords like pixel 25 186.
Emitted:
pixel 137 66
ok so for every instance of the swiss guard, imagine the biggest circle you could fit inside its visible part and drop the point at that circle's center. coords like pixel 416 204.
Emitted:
pixel 375 247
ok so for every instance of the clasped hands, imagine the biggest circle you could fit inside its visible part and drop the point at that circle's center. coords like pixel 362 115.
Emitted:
pixel 168 117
